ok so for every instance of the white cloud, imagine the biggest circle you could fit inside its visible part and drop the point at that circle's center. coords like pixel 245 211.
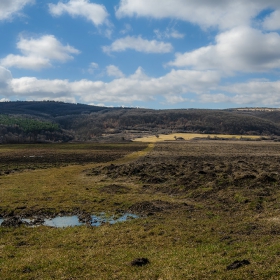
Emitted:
pixel 272 22
pixel 94 65
pixel 5 75
pixel 114 71
pixel 255 92
pixel 251 93
pixel 240 49
pixel 138 44
pixel 214 98
pixel 215 13
pixel 175 99
pixel 174 87
pixel 4 100
pixel 5 79
pixel 122 90
pixel 38 53
pixel 95 13
pixel 8 8
pixel 25 62
pixel 169 33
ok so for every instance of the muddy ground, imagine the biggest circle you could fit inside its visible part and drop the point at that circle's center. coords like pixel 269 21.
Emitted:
pixel 205 170
pixel 14 158
pixel 207 210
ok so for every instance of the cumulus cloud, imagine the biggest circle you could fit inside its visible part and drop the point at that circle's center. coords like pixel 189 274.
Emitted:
pixel 175 87
pixel 215 13
pixel 138 44
pixel 39 53
pixel 95 13
pixel 10 8
pixel 122 90
pixel 252 93
pixel 255 92
pixel 114 71
pixel 239 49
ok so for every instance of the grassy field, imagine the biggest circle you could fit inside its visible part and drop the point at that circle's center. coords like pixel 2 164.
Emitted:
pixel 202 206
pixel 190 136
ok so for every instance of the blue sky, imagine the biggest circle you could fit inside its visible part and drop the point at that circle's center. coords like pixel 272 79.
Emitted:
pixel 141 53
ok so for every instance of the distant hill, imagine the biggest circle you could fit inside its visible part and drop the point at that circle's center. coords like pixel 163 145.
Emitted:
pixel 47 108
pixel 271 114
pixel 58 121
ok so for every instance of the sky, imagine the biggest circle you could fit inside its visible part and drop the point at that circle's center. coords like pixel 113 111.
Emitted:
pixel 159 54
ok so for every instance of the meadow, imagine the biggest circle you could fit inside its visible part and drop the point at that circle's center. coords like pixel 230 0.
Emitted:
pixel 207 210
pixel 190 136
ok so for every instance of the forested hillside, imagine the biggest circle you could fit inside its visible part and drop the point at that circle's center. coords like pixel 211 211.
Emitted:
pixel 62 122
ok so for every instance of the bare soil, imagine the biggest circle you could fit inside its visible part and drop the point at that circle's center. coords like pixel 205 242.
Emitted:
pixel 204 170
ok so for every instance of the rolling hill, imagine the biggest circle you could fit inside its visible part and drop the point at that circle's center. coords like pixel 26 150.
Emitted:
pixel 49 121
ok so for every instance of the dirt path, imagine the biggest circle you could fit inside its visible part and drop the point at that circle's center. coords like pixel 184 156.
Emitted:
pixel 135 155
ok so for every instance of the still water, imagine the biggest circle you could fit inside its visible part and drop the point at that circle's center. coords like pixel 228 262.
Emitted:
pixel 71 221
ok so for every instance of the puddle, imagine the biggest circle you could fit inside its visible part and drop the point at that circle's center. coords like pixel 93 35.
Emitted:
pixel 72 221
pixel 59 222
pixel 97 221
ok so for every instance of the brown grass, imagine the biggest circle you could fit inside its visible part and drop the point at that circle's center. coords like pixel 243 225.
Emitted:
pixel 224 209
pixel 190 136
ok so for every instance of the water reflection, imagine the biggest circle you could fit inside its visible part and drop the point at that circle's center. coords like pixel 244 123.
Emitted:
pixel 71 221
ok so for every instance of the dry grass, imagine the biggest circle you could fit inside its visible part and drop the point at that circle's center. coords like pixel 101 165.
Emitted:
pixel 190 136
pixel 195 232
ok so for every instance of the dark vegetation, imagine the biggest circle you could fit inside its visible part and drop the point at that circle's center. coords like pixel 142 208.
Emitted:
pixel 49 121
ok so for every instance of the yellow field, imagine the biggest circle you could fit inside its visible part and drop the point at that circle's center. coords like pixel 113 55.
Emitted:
pixel 189 136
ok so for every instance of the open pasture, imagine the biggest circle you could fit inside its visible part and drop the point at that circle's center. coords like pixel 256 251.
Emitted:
pixel 203 205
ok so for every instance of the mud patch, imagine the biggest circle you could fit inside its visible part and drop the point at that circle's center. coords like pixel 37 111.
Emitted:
pixel 237 264
pixel 115 189
pixel 150 207
pixel 12 222
pixel 140 262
